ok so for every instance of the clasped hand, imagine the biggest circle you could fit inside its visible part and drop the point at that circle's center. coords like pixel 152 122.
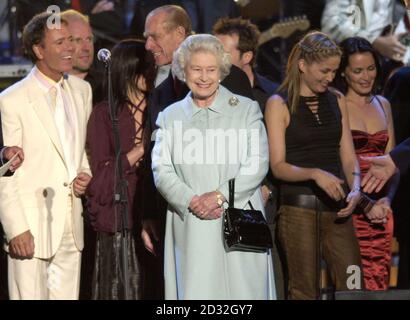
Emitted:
pixel 380 211
pixel 352 199
pixel 205 206
pixel 332 185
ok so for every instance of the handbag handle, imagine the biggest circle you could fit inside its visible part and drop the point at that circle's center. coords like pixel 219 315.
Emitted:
pixel 231 193
pixel 231 201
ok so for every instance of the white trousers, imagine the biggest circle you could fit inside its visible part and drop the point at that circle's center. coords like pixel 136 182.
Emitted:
pixel 56 278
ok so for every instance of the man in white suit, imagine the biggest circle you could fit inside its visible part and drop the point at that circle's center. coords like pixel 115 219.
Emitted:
pixel 46 114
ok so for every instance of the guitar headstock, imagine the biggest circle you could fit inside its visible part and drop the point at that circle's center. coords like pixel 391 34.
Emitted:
pixel 287 27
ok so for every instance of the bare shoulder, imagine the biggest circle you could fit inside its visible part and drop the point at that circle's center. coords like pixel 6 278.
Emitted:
pixel 276 104
pixel 385 103
pixel 277 111
pixel 341 99
pixel 337 93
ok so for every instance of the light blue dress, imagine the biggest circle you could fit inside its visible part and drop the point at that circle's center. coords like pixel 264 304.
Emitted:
pixel 190 158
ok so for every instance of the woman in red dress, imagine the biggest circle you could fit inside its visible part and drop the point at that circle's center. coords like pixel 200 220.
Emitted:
pixel 371 124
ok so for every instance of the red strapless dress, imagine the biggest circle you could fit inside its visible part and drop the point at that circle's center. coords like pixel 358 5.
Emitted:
pixel 374 239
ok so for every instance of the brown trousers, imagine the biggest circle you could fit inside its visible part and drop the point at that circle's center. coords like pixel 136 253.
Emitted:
pixel 297 234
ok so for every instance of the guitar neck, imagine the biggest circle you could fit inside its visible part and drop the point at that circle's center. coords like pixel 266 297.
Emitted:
pixel 266 36
pixel 284 29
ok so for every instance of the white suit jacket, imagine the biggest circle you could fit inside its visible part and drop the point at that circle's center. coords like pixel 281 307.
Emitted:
pixel 36 197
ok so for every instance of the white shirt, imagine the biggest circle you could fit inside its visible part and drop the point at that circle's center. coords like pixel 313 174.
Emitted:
pixel 64 116
pixel 162 74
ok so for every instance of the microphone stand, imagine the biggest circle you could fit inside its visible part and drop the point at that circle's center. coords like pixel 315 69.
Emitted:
pixel 121 185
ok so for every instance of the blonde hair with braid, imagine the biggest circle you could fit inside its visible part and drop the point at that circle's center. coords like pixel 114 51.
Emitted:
pixel 314 47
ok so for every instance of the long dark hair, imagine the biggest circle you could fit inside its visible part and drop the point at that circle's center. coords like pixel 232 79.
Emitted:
pixel 349 47
pixel 130 61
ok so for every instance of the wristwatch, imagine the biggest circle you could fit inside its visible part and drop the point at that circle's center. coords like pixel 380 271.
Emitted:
pixel 219 198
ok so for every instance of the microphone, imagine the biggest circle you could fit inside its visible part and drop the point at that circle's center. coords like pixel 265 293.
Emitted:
pixel 104 55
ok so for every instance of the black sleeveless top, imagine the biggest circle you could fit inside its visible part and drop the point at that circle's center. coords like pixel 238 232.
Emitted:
pixel 313 141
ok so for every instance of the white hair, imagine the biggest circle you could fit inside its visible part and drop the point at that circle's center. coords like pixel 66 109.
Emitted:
pixel 200 43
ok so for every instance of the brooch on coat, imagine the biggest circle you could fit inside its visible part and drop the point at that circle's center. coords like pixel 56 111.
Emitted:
pixel 233 101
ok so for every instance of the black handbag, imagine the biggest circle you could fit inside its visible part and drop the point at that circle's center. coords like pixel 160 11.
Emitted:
pixel 245 230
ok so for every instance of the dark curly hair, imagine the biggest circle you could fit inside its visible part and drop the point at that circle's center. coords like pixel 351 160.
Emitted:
pixel 247 32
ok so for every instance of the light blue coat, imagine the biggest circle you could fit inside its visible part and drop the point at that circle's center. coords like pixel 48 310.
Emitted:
pixel 185 163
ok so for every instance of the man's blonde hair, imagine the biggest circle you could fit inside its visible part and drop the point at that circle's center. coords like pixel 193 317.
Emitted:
pixel 73 15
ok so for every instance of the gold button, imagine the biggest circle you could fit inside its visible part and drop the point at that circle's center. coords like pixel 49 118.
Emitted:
pixel 65 184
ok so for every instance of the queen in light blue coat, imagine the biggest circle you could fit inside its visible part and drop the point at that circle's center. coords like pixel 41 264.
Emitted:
pixel 203 141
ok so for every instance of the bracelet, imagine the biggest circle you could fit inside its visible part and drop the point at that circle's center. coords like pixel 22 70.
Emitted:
pixel 356 189
pixel 365 203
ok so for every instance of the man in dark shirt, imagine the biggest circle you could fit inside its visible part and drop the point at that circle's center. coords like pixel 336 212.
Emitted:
pixel 398 94
pixel 240 40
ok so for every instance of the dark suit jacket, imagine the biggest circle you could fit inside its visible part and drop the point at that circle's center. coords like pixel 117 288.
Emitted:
pixel 164 95
pixel 262 89
pixel 397 92
pixel 401 155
